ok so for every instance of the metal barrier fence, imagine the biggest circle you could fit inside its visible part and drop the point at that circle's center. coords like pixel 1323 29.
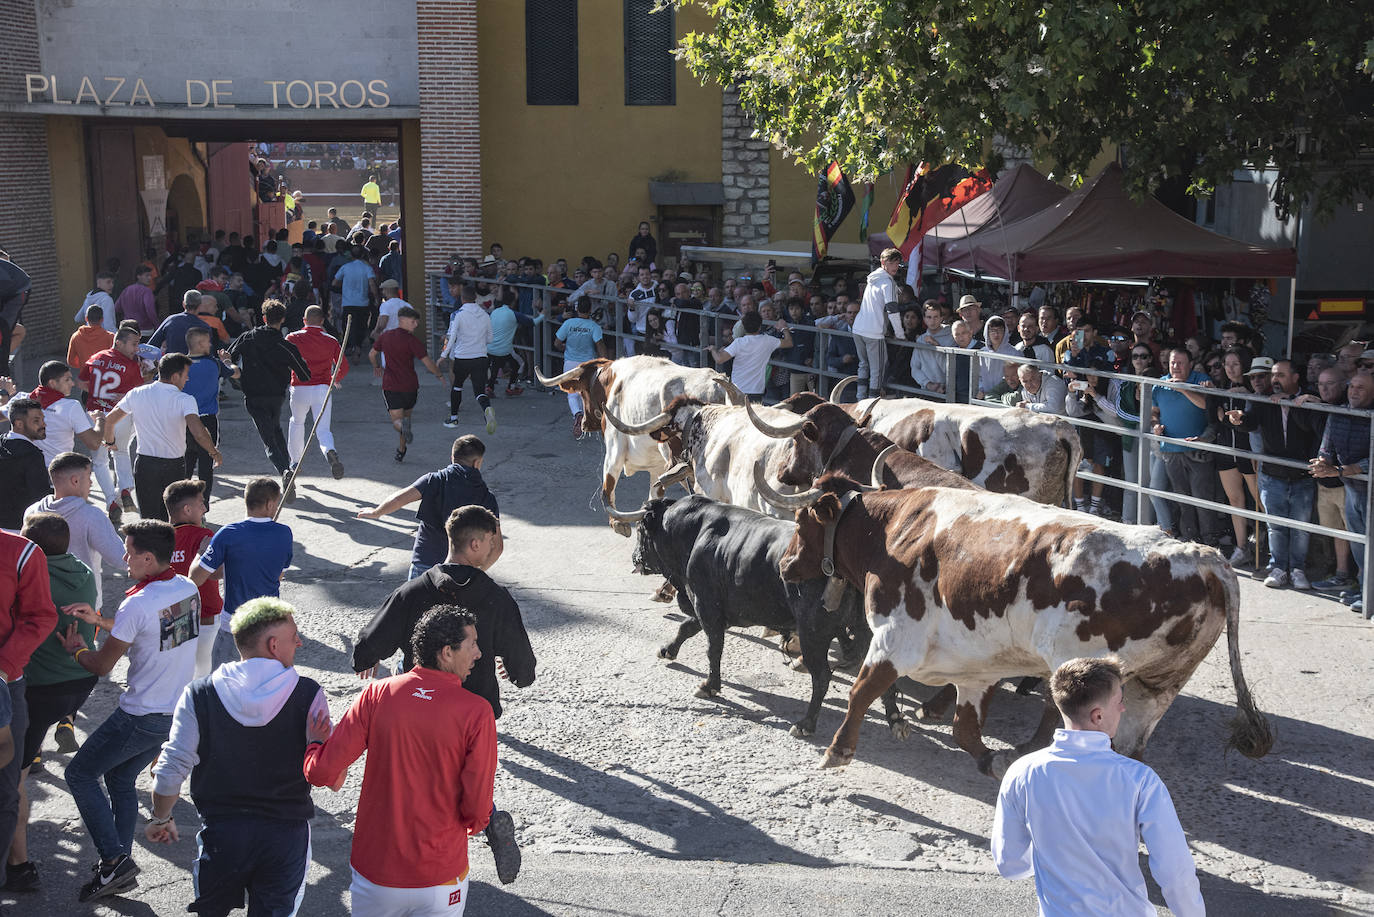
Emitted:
pixel 540 351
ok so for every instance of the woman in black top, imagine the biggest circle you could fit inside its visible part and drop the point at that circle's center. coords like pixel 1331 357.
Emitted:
pixel 1237 474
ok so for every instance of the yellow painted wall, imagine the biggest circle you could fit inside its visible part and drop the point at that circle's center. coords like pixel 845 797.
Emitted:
pixel 572 180
pixel 792 202
pixel 178 158
pixel 71 211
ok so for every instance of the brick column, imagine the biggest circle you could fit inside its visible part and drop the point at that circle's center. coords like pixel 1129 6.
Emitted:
pixel 450 150
pixel 26 227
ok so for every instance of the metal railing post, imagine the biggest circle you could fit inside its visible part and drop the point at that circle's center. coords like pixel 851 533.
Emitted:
pixel 619 327
pixel 1142 479
pixel 951 376
pixel 1369 542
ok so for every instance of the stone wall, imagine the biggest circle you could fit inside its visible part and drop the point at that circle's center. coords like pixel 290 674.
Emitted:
pixel 744 177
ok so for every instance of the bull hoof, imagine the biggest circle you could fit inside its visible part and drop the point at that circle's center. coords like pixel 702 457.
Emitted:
pixel 667 651
pixel 666 593
pixel 802 730
pixel 798 665
pixel 621 528
pixel 706 692
pixel 900 726
pixel 929 715
pixel 1001 761
pixel 985 764
pixel 836 758
pixel 791 645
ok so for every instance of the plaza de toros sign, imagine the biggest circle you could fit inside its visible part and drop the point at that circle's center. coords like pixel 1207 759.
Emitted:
pixel 122 91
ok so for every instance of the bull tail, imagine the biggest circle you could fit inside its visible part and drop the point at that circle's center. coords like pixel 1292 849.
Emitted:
pixel 1251 733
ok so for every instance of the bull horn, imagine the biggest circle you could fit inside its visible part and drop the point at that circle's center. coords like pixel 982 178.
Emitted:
pixel 839 387
pixel 619 516
pixel 558 380
pixel 673 475
pixel 783 501
pixel 880 462
pixel 777 431
pixel 656 422
pixel 733 394
pixel 867 413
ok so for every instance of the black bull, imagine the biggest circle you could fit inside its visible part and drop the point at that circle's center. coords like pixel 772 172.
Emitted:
pixel 724 559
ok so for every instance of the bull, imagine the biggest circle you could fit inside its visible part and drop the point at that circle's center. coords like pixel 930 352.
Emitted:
pixel 639 388
pixel 967 588
pixel 724 560
pixel 1004 451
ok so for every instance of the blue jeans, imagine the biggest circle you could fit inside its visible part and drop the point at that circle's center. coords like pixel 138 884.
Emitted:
pixel 118 750
pixel 1356 506
pixel 1291 500
pixel 1159 480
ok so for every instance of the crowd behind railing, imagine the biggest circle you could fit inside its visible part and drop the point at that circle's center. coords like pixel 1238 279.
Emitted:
pixel 1233 439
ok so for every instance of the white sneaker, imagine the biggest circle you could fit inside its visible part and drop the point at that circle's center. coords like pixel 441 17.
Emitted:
pixel 1239 557
pixel 1277 579
pixel 1300 580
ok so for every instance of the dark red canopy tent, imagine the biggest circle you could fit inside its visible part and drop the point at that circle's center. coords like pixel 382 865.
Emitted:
pixel 1014 196
pixel 1100 233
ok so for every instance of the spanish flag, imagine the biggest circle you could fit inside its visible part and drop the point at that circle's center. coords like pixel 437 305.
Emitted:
pixel 834 200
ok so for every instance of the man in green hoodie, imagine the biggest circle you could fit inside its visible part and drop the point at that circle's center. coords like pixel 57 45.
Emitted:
pixel 57 686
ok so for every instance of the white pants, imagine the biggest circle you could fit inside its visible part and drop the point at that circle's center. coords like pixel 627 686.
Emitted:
pixel 574 400
pixel 205 645
pixel 383 901
pixel 306 399
pixel 124 466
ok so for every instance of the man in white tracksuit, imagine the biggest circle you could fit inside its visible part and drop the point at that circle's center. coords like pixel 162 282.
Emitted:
pixel 870 325
pixel 321 353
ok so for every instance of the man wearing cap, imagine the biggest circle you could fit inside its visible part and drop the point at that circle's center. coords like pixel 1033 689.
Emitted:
pixel 391 304
pixel 971 312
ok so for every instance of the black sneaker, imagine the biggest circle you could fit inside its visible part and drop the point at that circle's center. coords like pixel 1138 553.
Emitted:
pixel 288 489
pixel 21 877
pixel 114 879
pixel 336 467
pixel 504 849
pixel 65 734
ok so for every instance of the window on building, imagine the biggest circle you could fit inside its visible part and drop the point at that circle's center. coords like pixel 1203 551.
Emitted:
pixel 551 52
pixel 650 72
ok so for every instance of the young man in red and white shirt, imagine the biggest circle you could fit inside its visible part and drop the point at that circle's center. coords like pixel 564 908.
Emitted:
pixel 320 352
pixel 185 502
pixel 108 376
pixel 410 840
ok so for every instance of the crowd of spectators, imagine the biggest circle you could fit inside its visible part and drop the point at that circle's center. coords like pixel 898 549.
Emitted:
pixel 685 312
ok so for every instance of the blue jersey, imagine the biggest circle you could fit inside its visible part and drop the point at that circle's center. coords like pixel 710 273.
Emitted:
pixel 202 382
pixel 503 324
pixel 581 336
pixel 253 553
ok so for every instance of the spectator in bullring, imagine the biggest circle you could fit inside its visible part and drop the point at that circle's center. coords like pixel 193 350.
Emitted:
pixel 1041 392
pixel 928 366
pixel 1192 472
pixel 1343 453
pixel 1286 491
pixel 1236 473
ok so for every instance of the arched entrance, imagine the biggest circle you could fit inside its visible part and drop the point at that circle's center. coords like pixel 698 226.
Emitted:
pixel 185 210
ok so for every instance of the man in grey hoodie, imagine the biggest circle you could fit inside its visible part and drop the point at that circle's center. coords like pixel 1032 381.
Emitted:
pixel 93 537
pixel 240 734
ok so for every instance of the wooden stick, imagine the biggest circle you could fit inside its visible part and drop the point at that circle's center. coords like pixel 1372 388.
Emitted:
pixel 333 378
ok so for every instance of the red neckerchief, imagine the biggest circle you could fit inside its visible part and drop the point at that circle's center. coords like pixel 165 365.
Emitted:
pixel 46 396
pixel 155 578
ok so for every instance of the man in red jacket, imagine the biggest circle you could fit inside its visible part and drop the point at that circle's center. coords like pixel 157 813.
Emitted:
pixel 321 352
pixel 27 616
pixel 430 772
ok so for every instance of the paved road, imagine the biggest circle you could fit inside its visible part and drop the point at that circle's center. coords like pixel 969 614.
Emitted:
pixel 634 797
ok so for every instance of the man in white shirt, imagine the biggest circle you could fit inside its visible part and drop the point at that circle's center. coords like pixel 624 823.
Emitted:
pixel 641 301
pixel 1074 814
pixel 750 353
pixel 469 336
pixel 391 304
pixel 870 326
pixel 162 413
pixel 156 625
pixel 100 296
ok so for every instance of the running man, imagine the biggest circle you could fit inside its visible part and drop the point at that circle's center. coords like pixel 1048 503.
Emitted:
pixel 240 735
pixel 372 195
pixel 580 340
pixel 186 507
pixel 308 396
pixel 410 839
pixel 467 343
pixel 109 376
pixel 400 348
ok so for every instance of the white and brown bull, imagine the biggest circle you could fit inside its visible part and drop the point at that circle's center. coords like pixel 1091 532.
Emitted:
pixel 968 588
pixel 638 388
pixel 1002 450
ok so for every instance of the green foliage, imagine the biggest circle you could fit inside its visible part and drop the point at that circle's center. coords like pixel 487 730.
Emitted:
pixel 1206 86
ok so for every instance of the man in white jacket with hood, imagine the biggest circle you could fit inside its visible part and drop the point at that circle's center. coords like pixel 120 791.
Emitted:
pixel 240 734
